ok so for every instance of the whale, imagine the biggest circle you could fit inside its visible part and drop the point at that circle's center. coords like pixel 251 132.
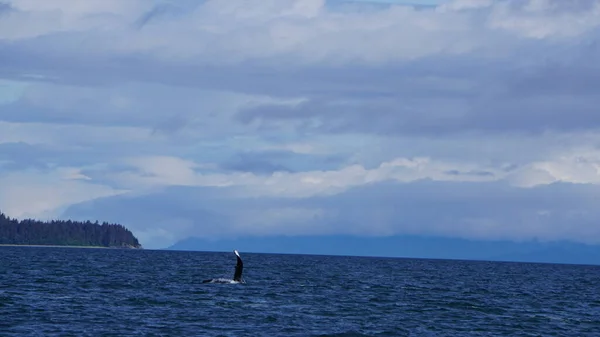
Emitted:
pixel 237 275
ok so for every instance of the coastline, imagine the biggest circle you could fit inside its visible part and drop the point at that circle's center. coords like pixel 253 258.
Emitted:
pixel 65 246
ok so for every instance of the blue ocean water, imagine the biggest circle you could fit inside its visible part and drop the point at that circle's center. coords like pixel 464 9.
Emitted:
pixel 105 292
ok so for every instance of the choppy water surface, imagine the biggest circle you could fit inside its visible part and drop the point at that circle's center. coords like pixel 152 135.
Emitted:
pixel 101 292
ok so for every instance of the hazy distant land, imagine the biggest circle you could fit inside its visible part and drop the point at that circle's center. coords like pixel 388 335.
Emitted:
pixel 65 233
pixel 409 246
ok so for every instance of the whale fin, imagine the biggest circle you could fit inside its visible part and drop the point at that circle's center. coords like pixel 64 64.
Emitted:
pixel 239 267
pixel 237 275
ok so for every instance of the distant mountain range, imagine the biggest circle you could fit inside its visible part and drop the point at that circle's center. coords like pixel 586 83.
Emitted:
pixel 405 246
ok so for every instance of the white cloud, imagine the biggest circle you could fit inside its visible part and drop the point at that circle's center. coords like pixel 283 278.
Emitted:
pixel 36 18
pixel 579 167
pixel 46 194
pixel 10 91
pixel 546 18
pixel 299 147
pixel 582 167
pixel 165 171
pixel 156 237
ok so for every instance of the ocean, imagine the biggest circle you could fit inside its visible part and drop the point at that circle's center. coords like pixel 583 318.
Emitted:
pixel 109 292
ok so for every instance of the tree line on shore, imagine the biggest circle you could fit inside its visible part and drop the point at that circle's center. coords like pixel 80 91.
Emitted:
pixel 65 233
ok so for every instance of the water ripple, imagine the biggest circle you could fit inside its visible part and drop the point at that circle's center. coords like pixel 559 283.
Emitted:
pixel 95 292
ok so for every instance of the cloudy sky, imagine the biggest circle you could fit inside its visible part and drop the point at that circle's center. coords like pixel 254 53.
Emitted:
pixel 464 118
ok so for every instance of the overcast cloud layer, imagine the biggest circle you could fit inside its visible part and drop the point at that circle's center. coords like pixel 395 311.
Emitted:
pixel 469 118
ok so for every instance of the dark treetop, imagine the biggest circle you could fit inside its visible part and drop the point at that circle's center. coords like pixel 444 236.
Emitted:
pixel 65 233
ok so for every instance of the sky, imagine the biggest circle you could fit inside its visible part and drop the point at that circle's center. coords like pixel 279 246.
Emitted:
pixel 466 118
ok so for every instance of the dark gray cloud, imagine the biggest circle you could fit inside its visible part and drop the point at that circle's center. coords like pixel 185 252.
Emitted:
pixel 98 162
pixel 542 99
pixel 160 11
pixel 5 8
pixel 165 109
pixel 468 210
pixel 469 173
pixel 434 95
pixel 258 163
pixel 268 162
pixel 21 156
pixel 276 78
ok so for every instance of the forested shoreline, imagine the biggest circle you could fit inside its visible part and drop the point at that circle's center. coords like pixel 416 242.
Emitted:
pixel 65 233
